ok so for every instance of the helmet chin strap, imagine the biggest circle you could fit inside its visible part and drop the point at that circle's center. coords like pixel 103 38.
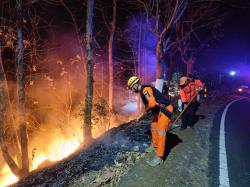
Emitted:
pixel 138 88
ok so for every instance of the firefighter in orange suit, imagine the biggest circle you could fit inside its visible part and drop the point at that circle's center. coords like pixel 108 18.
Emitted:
pixel 188 90
pixel 199 85
pixel 161 109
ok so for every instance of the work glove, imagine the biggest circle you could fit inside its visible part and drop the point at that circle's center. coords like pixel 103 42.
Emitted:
pixel 199 88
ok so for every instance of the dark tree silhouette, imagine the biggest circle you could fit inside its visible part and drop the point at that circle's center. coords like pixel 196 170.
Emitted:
pixel 90 81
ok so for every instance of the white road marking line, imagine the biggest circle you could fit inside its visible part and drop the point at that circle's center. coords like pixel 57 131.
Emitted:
pixel 223 178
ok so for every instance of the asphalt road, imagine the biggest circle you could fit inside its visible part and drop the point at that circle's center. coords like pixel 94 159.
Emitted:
pixel 237 146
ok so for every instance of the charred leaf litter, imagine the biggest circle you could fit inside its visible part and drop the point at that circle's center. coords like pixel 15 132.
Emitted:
pixel 101 163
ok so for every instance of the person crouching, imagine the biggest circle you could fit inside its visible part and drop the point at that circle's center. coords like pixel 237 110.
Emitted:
pixel 161 109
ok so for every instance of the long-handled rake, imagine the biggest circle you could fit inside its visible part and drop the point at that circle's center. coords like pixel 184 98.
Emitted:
pixel 173 124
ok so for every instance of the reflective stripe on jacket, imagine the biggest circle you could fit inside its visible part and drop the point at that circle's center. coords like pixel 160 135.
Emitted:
pixel 151 96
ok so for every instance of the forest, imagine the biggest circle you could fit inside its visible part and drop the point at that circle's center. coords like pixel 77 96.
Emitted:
pixel 64 66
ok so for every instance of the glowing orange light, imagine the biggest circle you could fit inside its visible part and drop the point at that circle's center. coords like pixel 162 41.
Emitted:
pixel 57 151
pixel 60 147
pixel 8 177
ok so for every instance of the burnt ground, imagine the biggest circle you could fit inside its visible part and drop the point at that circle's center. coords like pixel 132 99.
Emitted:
pixel 103 162
pixel 118 158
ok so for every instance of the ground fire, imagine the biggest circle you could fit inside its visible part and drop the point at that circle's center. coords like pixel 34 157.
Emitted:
pixel 111 93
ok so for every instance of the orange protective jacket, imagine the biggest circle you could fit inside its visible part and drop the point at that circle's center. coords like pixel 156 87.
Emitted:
pixel 151 97
pixel 188 92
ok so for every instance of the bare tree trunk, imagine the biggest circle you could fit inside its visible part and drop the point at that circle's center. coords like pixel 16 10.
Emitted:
pixel 144 54
pixel 171 67
pixel 189 64
pixel 189 69
pixel 159 64
pixel 3 108
pixel 111 39
pixel 103 80
pixel 21 91
pixel 87 134
pixel 9 118
pixel 145 60
pixel 139 65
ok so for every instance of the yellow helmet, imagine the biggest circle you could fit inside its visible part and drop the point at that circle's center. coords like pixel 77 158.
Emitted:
pixel 183 80
pixel 132 81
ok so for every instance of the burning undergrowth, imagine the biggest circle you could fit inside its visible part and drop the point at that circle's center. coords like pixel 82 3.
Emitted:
pixel 55 93
pixel 109 157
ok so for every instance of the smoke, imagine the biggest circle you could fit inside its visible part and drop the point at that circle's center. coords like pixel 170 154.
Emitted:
pixel 55 90
pixel 55 95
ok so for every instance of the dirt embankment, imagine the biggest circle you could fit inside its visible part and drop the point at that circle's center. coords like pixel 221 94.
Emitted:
pixel 118 158
pixel 104 162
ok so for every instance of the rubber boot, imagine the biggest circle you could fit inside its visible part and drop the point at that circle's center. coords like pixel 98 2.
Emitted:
pixel 155 161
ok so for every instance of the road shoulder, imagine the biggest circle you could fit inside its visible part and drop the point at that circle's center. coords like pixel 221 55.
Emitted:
pixel 188 162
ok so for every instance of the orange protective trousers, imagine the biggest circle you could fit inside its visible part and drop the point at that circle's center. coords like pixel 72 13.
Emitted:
pixel 159 128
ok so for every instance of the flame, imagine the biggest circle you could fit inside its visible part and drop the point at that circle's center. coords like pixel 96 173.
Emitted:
pixel 38 161
pixel 61 149
pixel 58 149
pixel 7 177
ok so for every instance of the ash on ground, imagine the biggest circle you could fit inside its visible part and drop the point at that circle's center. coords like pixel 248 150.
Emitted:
pixel 118 158
pixel 103 162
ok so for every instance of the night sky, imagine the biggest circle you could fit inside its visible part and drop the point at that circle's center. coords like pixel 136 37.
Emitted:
pixel 232 51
